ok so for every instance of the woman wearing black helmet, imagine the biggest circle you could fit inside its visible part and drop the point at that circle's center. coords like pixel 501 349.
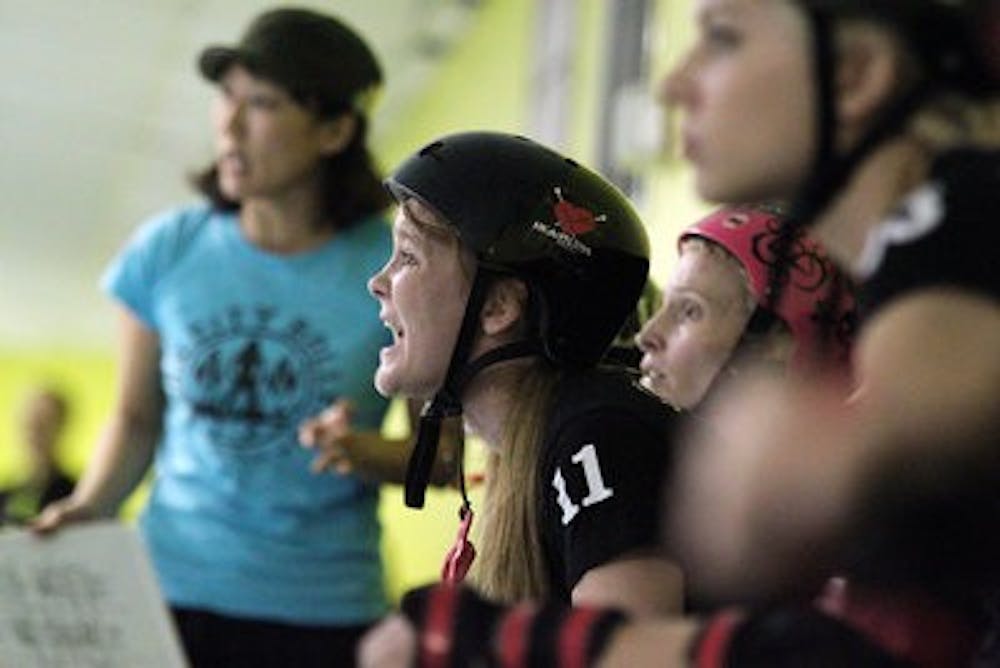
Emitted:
pixel 891 153
pixel 513 269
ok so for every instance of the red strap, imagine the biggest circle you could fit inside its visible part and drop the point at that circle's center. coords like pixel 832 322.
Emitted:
pixel 574 634
pixel 713 645
pixel 437 639
pixel 909 625
pixel 461 554
pixel 512 638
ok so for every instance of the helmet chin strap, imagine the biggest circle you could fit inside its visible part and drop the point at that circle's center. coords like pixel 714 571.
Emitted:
pixel 831 171
pixel 447 401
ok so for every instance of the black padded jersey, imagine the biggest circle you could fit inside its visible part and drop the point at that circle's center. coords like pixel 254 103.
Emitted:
pixel 945 234
pixel 602 469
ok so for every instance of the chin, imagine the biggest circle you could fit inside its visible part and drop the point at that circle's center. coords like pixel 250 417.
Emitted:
pixel 389 385
pixel 385 384
pixel 230 192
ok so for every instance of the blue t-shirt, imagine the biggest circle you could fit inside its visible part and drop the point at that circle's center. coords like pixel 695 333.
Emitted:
pixel 252 343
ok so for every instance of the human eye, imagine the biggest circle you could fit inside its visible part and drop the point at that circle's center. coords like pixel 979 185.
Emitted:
pixel 404 254
pixel 690 310
pixel 719 32
pixel 721 36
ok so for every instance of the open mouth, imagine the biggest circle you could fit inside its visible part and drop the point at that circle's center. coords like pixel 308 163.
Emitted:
pixel 232 161
pixel 650 379
pixel 397 332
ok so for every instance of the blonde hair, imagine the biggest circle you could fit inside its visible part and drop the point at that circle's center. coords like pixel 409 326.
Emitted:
pixel 511 564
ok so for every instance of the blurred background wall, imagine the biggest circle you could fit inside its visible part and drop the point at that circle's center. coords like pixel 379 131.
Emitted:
pixel 103 115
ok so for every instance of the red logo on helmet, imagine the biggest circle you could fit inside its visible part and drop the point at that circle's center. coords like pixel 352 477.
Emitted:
pixel 573 219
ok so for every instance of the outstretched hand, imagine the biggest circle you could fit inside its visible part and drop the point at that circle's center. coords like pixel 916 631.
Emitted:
pixel 331 435
pixel 61 513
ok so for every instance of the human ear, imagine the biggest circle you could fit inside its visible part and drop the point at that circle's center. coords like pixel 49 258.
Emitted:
pixel 505 307
pixel 336 133
pixel 869 69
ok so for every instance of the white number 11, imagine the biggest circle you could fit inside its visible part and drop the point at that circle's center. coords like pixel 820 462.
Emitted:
pixel 597 491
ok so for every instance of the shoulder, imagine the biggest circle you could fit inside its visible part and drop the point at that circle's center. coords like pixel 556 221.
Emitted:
pixel 942 235
pixel 606 415
pixel 174 227
pixel 608 392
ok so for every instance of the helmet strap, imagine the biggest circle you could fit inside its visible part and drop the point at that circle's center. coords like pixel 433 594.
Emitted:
pixel 447 401
pixel 830 172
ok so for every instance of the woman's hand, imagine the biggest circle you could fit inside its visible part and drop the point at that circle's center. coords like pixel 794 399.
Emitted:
pixel 331 435
pixel 57 514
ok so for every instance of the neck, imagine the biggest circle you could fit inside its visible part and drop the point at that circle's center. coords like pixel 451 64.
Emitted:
pixel 873 190
pixel 488 399
pixel 288 225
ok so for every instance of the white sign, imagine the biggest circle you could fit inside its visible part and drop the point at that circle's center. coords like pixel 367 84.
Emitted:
pixel 85 597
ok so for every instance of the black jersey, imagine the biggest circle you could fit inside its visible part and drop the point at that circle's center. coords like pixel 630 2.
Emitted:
pixel 945 234
pixel 943 538
pixel 603 463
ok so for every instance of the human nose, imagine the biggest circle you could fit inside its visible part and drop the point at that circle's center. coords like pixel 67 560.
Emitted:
pixel 378 283
pixel 651 338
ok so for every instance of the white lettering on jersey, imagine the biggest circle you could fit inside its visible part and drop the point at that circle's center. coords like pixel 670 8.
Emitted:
pixel 919 214
pixel 569 509
pixel 597 491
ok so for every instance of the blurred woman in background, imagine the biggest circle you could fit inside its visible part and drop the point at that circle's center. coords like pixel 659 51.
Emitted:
pixel 242 320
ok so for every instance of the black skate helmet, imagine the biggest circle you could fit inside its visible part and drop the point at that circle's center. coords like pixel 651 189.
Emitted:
pixel 528 212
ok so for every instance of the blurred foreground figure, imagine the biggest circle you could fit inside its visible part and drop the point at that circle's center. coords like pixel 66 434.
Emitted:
pixel 893 160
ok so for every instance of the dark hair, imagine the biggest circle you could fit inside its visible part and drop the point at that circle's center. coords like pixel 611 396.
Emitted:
pixel 350 184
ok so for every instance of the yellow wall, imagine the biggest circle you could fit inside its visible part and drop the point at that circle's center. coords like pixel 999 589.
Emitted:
pixel 481 85
pixel 672 204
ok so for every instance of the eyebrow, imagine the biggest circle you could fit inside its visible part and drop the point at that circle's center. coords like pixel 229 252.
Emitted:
pixel 721 8
pixel 411 213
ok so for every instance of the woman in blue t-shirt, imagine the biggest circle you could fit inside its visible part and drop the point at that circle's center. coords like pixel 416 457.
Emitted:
pixel 248 333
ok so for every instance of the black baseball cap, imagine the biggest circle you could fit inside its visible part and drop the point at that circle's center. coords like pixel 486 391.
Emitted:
pixel 310 54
